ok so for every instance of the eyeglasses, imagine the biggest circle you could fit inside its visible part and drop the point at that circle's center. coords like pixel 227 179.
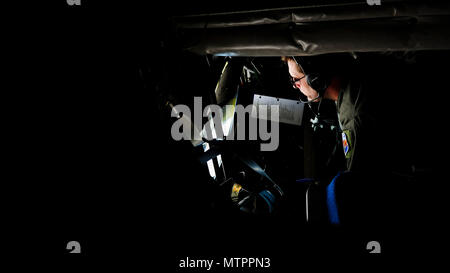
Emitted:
pixel 294 80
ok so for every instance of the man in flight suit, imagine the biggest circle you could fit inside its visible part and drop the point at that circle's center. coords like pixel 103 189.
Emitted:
pixel 368 132
pixel 357 117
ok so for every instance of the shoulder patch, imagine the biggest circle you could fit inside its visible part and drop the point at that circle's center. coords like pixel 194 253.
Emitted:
pixel 345 143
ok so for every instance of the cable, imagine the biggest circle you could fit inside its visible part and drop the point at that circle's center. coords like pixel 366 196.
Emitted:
pixel 318 109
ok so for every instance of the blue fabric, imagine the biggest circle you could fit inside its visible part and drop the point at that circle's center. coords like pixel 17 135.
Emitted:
pixel 333 214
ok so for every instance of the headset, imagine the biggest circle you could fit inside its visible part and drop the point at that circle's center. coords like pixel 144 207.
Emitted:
pixel 318 81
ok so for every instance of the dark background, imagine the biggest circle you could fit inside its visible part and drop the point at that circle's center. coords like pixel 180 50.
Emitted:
pixel 91 159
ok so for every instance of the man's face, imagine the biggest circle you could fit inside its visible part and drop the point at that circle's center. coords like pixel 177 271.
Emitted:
pixel 296 73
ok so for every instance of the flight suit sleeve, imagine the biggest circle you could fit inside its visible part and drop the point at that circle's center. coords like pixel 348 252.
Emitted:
pixel 357 122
